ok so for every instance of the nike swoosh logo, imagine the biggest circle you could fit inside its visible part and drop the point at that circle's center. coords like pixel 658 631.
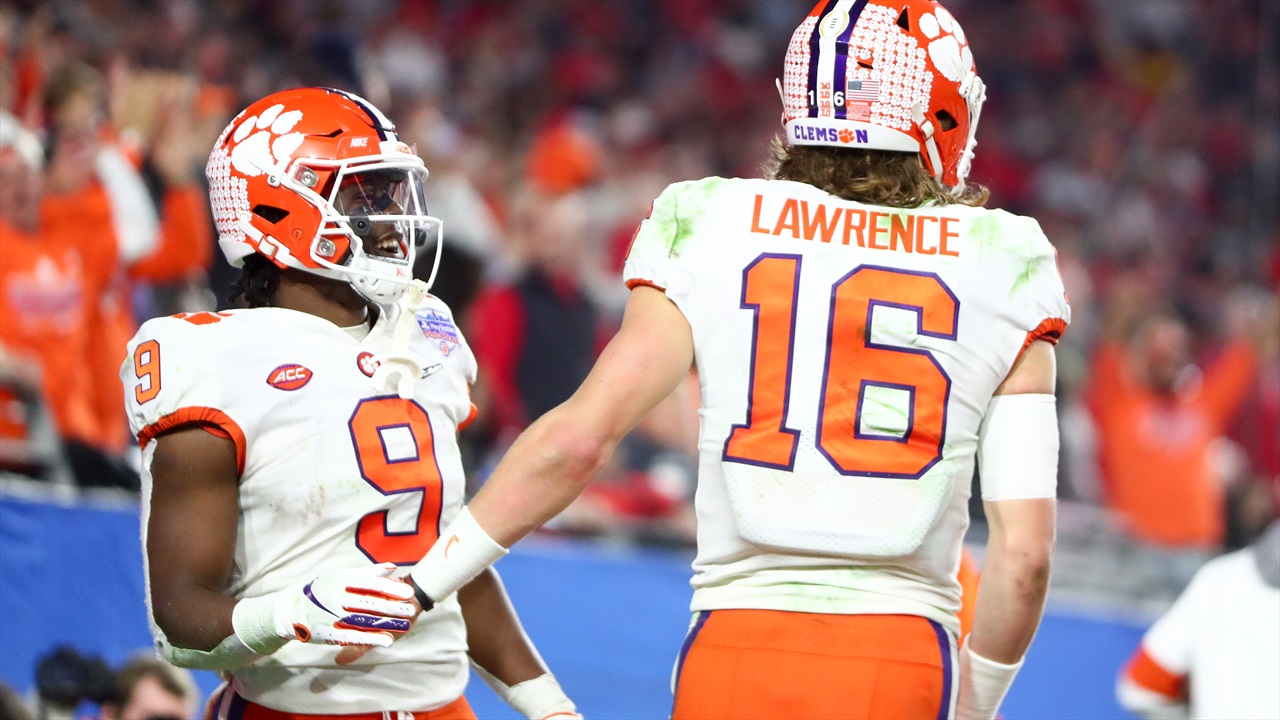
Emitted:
pixel 429 371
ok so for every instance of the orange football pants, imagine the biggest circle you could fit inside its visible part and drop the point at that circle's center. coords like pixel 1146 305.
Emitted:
pixel 237 708
pixel 770 664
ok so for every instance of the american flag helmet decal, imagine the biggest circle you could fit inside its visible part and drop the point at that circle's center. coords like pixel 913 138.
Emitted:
pixel 884 74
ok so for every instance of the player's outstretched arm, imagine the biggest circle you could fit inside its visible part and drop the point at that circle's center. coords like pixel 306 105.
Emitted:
pixel 554 459
pixel 191 534
pixel 1018 466
pixel 503 654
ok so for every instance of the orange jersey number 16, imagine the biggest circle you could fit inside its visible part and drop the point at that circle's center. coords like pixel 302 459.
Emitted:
pixel 854 363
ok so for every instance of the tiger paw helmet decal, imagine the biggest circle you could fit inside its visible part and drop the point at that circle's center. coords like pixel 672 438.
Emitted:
pixel 264 142
pixel 885 75
pixel 316 179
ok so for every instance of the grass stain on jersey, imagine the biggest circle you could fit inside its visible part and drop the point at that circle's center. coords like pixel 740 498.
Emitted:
pixel 1022 279
pixel 829 589
pixel 885 413
pixel 1015 248
pixel 691 203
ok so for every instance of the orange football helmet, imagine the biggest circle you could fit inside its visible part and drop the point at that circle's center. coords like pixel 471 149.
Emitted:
pixel 316 179
pixel 884 75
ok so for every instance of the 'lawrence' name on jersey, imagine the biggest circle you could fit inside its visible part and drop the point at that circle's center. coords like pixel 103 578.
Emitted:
pixel 333 474
pixel 847 354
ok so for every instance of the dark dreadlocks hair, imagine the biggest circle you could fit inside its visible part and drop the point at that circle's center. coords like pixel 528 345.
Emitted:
pixel 256 286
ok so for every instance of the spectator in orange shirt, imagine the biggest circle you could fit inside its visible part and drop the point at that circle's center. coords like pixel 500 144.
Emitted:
pixel 49 285
pixel 1158 418
pixel 98 196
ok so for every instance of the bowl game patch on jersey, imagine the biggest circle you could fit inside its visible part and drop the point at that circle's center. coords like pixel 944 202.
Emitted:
pixel 439 328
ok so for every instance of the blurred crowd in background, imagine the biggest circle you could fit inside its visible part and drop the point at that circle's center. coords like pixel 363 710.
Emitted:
pixel 1140 133
pixel 68 683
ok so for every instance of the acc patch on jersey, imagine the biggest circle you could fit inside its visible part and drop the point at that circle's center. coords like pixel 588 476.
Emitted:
pixel 439 329
pixel 289 377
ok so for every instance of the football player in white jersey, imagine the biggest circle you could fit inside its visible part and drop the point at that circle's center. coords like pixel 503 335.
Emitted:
pixel 1216 652
pixel 863 332
pixel 298 452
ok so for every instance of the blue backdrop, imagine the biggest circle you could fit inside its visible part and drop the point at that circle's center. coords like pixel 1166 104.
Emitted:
pixel 608 621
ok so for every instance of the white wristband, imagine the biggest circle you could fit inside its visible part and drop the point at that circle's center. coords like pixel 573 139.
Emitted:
pixel 983 684
pixel 540 698
pixel 463 551
pixel 254 622
pixel 230 654
pixel 537 699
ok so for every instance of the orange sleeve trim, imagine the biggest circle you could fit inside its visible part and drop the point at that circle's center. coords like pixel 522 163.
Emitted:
pixel 1049 330
pixel 203 416
pixel 216 431
pixel 636 233
pixel 637 282
pixel 471 416
pixel 1151 675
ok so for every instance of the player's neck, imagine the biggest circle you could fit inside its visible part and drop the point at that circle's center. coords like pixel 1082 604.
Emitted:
pixel 332 300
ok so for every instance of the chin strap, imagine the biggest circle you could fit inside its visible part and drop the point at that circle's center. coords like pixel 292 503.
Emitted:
pixel 397 369
pixel 930 145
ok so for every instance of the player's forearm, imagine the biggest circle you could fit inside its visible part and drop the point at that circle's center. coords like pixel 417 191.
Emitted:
pixel 496 641
pixel 1011 595
pixel 193 617
pixel 546 469
pixel 552 461
pixel 503 655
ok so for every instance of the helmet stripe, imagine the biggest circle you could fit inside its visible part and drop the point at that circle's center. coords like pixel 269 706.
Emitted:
pixel 841 75
pixel 385 128
pixel 825 47
pixel 815 52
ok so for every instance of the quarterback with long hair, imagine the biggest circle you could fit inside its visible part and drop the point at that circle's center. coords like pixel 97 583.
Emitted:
pixel 864 332
pixel 300 451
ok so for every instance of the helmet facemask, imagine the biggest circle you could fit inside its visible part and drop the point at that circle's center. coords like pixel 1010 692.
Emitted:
pixel 974 91
pixel 373 220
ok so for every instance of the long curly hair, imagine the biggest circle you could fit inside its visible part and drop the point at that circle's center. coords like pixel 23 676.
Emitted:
pixel 875 177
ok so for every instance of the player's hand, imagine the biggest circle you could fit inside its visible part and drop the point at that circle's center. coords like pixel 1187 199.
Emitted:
pixel 363 606
pixel 352 653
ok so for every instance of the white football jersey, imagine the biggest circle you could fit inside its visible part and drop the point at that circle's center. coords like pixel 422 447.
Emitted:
pixel 846 355
pixel 1222 638
pixel 334 474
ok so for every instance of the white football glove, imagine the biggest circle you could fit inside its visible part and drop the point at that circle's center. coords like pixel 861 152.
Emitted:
pixel 360 606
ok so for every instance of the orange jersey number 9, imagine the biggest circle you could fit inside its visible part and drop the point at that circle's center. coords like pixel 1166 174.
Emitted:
pixel 395 448
pixel 146 366
pixel 854 364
